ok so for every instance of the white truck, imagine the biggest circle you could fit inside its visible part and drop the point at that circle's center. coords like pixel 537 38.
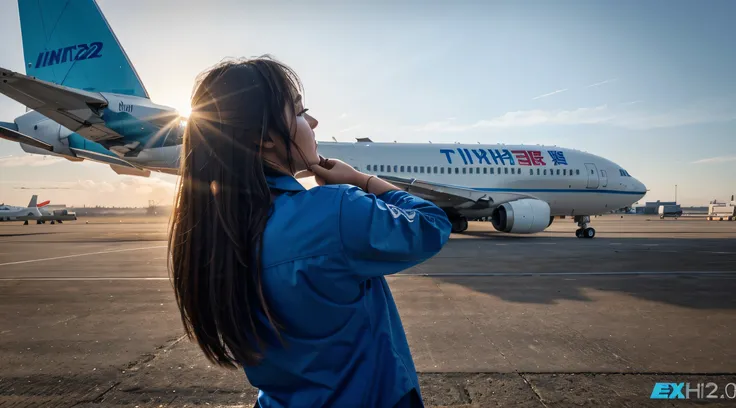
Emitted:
pixel 670 211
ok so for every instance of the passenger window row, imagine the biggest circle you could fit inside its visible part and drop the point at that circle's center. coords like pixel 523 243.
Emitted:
pixel 387 168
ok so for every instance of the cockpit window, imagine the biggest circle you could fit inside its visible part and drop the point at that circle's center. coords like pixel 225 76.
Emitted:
pixel 624 173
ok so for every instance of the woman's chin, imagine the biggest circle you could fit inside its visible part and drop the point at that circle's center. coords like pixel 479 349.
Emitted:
pixel 314 162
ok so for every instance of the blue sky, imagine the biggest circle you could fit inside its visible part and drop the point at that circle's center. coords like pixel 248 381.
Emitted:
pixel 650 85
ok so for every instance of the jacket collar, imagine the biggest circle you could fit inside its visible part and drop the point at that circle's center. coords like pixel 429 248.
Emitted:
pixel 283 183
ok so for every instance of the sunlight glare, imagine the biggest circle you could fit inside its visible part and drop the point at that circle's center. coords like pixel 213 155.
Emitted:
pixel 184 110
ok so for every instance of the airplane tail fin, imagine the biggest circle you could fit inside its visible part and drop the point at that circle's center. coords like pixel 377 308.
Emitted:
pixel 34 200
pixel 69 42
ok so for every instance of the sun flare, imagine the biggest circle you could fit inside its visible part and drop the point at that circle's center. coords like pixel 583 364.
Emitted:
pixel 184 110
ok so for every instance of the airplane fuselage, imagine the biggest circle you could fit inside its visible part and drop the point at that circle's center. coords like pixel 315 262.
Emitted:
pixel 146 135
pixel 13 213
pixel 570 181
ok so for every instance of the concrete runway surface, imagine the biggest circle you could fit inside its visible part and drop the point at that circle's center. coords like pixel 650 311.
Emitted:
pixel 88 318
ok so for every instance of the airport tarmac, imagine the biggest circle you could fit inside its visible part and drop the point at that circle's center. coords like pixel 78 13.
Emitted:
pixel 88 317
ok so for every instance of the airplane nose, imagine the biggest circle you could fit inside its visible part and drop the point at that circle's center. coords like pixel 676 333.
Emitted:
pixel 639 187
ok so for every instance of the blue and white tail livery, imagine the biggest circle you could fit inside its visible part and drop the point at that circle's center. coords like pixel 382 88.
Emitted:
pixel 86 98
pixel 88 103
pixel 69 42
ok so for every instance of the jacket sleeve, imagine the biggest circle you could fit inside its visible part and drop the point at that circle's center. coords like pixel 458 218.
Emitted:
pixel 385 234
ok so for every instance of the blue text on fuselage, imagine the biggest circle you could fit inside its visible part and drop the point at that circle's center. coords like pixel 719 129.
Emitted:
pixel 71 53
pixel 505 157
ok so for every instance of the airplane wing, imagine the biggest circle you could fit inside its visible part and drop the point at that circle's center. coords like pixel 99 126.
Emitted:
pixel 104 158
pixel 14 136
pixel 75 109
pixel 455 197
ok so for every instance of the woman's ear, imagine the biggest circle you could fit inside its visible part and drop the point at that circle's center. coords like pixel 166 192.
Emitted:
pixel 268 142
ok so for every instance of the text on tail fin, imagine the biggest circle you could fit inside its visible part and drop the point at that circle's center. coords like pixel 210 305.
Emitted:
pixel 69 42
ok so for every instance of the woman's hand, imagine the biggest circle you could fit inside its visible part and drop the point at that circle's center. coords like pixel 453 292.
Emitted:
pixel 333 171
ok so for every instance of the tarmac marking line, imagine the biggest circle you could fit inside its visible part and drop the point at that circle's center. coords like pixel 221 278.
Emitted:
pixel 81 278
pixel 410 275
pixel 532 274
pixel 78 255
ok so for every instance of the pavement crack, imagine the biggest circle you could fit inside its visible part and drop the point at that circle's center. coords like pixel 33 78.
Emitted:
pixel 133 366
pixel 534 390
pixel 101 397
pixel 98 399
pixel 146 358
pixel 466 393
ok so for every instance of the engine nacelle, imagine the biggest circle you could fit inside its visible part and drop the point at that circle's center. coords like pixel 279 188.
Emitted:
pixel 39 127
pixel 526 216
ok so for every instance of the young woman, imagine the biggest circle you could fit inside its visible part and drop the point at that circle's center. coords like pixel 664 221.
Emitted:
pixel 286 282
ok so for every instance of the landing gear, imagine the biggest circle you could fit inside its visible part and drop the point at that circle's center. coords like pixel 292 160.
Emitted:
pixel 584 231
pixel 459 224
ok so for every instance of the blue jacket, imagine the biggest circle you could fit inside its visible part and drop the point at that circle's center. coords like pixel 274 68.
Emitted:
pixel 326 251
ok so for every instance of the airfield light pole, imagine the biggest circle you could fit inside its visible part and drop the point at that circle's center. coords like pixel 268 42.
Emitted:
pixel 675 193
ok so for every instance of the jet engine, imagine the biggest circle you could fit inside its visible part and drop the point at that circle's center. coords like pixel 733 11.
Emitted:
pixel 39 127
pixel 526 216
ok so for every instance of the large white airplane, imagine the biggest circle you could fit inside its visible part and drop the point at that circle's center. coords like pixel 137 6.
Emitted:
pixel 88 103
pixel 519 188
pixel 15 213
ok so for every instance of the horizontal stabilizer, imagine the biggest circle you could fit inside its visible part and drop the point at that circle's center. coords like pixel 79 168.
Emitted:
pixel 364 139
pixel 14 136
pixel 75 109
pixel 100 157
pixel 129 171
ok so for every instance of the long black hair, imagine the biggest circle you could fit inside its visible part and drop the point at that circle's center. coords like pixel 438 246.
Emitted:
pixel 222 206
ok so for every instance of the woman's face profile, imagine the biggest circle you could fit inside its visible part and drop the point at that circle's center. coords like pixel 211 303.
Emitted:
pixel 303 137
